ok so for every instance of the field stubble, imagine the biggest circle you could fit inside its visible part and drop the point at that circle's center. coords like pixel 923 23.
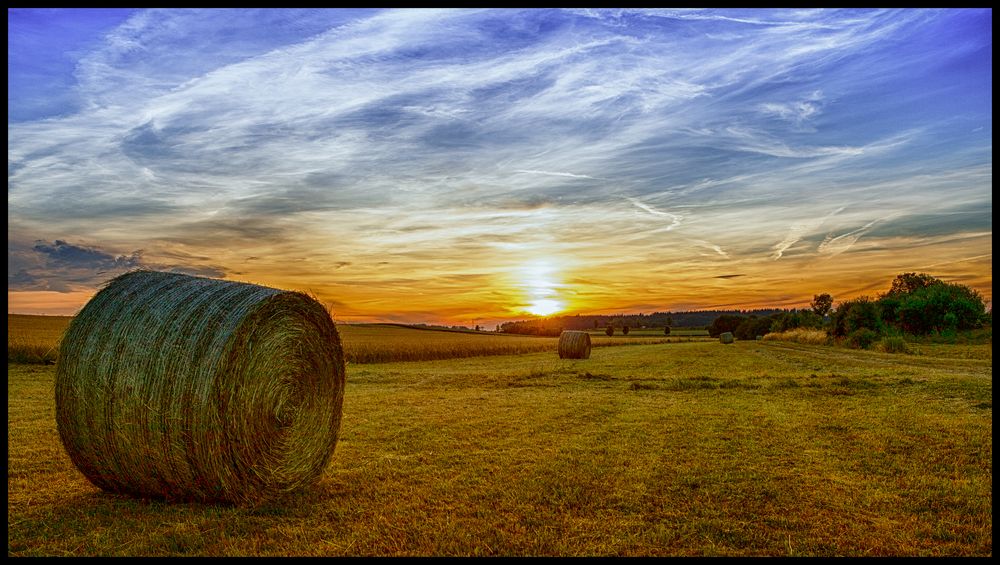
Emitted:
pixel 757 448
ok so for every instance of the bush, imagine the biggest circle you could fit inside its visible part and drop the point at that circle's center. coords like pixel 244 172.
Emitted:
pixel 800 335
pixel 853 315
pixel 625 330
pixel 610 331
pixel 666 330
pixel 892 344
pixel 861 338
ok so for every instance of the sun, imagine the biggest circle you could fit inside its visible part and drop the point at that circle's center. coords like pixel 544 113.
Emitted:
pixel 540 282
pixel 545 307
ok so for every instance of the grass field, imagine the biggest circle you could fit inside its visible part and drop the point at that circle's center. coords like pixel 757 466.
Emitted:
pixel 35 339
pixel 651 332
pixel 691 448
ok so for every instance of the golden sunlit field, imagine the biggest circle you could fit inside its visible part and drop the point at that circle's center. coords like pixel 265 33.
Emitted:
pixel 33 339
pixel 689 448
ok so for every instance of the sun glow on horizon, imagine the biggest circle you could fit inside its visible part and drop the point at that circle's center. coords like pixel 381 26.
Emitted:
pixel 540 282
pixel 545 307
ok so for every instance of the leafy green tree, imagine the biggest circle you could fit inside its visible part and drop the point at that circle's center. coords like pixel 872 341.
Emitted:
pixel 941 307
pixel 907 283
pixel 821 304
pixel 852 315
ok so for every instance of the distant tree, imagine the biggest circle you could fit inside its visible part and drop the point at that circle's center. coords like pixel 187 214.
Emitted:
pixel 821 304
pixel 903 286
pixel 666 330
pixel 795 319
pixel 941 307
pixel 852 315
pixel 610 331
pixel 906 283
pixel 724 323
pixel 477 327
pixel 753 326
pixel 670 321
pixel 596 323
pixel 625 329
pixel 919 304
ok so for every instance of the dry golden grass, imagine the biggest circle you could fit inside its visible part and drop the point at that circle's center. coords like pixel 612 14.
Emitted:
pixel 751 449
pixel 380 343
pixel 34 339
pixel 800 335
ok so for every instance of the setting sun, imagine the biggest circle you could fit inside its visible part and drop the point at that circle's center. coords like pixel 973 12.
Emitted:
pixel 540 283
pixel 545 307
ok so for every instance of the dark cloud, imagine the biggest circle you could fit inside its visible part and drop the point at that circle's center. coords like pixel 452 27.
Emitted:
pixel 61 266
pixel 62 254
pixel 728 276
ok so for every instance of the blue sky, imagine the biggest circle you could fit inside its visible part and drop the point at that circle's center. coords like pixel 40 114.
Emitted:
pixel 458 165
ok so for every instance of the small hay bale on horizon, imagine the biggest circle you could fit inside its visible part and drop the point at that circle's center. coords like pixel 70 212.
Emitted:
pixel 574 345
pixel 186 388
pixel 726 337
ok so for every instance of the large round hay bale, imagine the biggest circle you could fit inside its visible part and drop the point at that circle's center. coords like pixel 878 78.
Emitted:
pixel 574 345
pixel 726 337
pixel 187 388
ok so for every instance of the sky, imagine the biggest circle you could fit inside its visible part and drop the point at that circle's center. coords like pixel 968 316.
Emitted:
pixel 467 166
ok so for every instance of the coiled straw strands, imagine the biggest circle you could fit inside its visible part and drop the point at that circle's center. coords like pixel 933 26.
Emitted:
pixel 187 388
pixel 574 345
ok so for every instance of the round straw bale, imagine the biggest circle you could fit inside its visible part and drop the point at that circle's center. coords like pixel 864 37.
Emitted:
pixel 726 337
pixel 574 345
pixel 187 388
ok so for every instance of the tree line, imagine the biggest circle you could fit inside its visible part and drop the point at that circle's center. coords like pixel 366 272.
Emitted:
pixel 688 319
pixel 915 304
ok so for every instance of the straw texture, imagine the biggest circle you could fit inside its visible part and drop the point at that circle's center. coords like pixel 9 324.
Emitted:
pixel 574 345
pixel 726 337
pixel 187 388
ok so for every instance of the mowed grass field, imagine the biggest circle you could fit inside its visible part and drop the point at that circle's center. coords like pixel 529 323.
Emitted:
pixel 35 339
pixel 680 449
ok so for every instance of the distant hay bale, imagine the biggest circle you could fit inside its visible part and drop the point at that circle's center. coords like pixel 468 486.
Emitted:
pixel 726 337
pixel 574 345
pixel 187 388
